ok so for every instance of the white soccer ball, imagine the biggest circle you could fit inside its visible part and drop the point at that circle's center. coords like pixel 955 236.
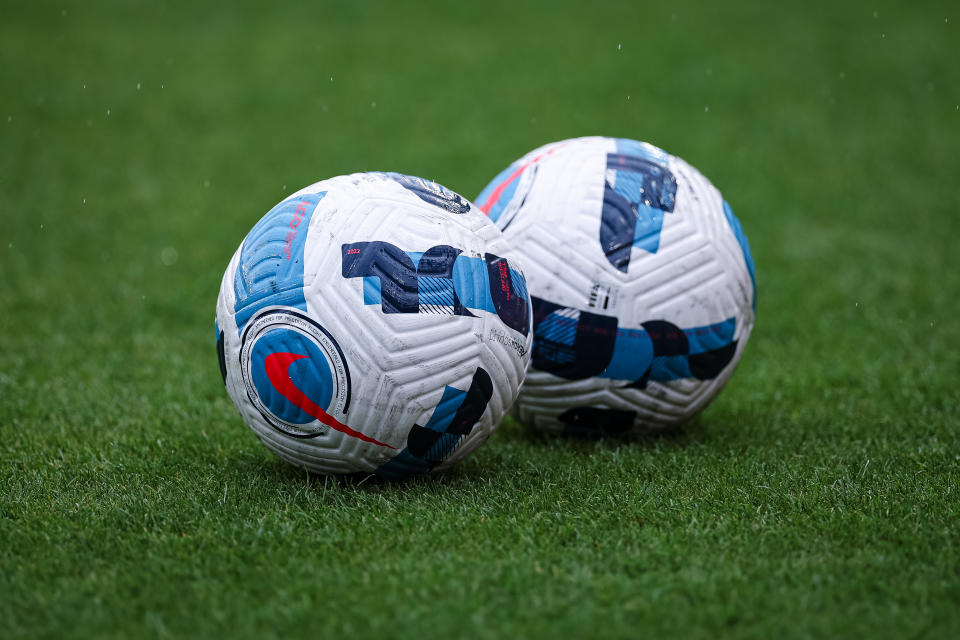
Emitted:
pixel 641 280
pixel 371 323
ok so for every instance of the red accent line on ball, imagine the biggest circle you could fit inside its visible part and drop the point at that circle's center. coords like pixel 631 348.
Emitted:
pixel 495 196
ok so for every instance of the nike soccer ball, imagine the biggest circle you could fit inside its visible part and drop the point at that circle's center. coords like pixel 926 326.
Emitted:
pixel 641 281
pixel 371 323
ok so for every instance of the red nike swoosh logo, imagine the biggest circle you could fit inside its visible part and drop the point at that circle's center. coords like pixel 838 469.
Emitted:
pixel 277 366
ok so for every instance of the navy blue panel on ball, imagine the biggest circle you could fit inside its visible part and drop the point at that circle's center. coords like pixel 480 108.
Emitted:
pixel 441 280
pixel 709 364
pixel 573 348
pixel 393 269
pixel 431 192
pixel 435 279
pixel 638 191
pixel 453 419
pixel 574 344
pixel 511 305
pixel 221 356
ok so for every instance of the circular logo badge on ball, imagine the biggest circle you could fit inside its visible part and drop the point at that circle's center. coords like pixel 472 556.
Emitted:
pixel 294 372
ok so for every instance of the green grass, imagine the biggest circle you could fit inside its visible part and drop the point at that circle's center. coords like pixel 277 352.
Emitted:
pixel 817 497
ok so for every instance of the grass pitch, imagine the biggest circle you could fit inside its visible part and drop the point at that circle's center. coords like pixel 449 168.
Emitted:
pixel 816 497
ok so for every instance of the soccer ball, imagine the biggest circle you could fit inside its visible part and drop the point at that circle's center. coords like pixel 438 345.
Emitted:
pixel 641 281
pixel 371 323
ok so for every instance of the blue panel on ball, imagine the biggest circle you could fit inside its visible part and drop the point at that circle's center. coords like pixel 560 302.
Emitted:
pixel 445 410
pixel 503 198
pixel 436 291
pixel 580 345
pixel 452 419
pixel 403 465
pixel 711 336
pixel 418 282
pixel 666 368
pixel 292 297
pixel 559 329
pixel 590 350
pixel 309 371
pixel 638 190
pixel 632 355
pixel 395 271
pixel 643 150
pixel 271 260
pixel 744 246
pixel 472 285
pixel 371 290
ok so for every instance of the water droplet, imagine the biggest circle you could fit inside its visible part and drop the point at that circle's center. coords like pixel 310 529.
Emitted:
pixel 619 47
pixel 206 183
pixel 284 187
pixel 883 35
pixel 161 85
pixel 373 105
pixel 41 225
pixel 706 109
pixel 84 201
pixel 628 97
pixel 331 78
pixel 10 246
pixel 875 15
pixel 89 123
pixel 842 75
pixel 63 13
pixel 138 86
pixel 84 85
pixel 169 256
pixel 108 111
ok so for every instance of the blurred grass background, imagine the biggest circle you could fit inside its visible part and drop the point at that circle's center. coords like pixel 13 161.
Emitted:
pixel 816 497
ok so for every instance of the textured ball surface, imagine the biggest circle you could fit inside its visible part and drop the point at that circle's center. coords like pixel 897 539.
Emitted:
pixel 371 323
pixel 641 281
